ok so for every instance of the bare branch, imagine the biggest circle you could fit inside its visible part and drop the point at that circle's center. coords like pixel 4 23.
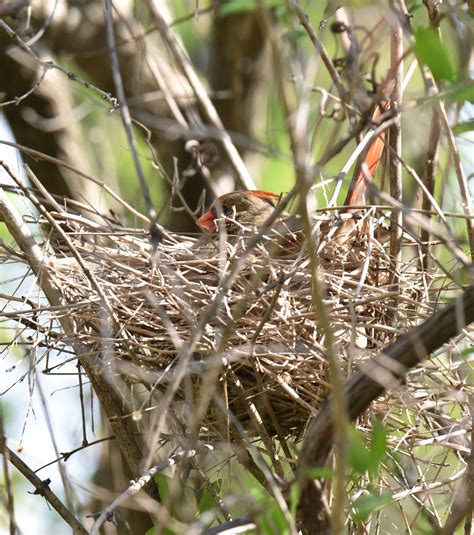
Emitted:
pixel 396 136
pixel 110 401
pixel 137 485
pixel 155 232
pixel 42 488
pixel 208 108
pixel 365 386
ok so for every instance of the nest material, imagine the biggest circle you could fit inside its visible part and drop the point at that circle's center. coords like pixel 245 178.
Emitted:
pixel 246 319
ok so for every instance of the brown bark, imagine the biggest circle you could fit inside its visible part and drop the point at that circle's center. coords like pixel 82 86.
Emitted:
pixel 361 389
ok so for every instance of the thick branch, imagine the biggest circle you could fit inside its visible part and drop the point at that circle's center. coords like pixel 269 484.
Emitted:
pixel 363 387
pixel 109 400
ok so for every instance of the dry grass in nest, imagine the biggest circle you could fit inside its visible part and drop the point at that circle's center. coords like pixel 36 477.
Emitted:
pixel 241 328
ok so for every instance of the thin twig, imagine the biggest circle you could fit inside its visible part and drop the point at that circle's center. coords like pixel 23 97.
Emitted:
pixel 205 102
pixel 10 505
pixel 463 505
pixel 137 485
pixel 155 232
pixel 368 384
pixel 42 488
pixel 466 198
pixel 319 46
pixel 32 197
pixel 37 154
pixel 396 70
pixel 51 65
pixel 432 151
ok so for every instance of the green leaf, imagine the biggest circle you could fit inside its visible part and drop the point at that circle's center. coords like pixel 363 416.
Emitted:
pixel 462 128
pixel 378 447
pixel 358 455
pixel 321 473
pixel 364 506
pixel 240 7
pixel 207 500
pixel 432 53
pixel 163 483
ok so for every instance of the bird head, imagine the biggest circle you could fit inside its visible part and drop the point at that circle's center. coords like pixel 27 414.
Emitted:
pixel 239 210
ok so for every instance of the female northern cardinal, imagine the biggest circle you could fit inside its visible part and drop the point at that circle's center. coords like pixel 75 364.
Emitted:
pixel 240 210
pixel 250 209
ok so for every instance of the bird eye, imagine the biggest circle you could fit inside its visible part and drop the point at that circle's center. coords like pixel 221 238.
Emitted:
pixel 227 210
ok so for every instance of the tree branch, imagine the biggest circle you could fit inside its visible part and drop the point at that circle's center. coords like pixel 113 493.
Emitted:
pixel 365 386
pixel 109 400
pixel 42 488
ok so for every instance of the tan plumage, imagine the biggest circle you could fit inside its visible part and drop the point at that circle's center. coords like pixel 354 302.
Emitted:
pixel 239 211
pixel 246 210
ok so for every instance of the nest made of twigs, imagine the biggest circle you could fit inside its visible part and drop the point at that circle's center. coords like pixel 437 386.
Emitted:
pixel 241 323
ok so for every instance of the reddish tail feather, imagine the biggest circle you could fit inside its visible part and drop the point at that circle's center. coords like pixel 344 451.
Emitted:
pixel 358 189
pixel 357 194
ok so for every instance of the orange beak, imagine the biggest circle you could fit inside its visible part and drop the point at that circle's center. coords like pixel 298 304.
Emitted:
pixel 206 221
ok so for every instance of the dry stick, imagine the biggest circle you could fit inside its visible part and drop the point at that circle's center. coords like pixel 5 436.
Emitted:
pixel 42 488
pixel 33 88
pixel 37 154
pixel 137 485
pixel 395 135
pixel 64 456
pixel 32 197
pixel 363 387
pixel 296 133
pixel 318 45
pixel 303 183
pixel 464 500
pixel 66 482
pixel 108 399
pixel 156 234
pixel 50 65
pixel 7 485
pixel 205 102
pixel 431 161
pixel 181 120
pixel 463 186
pixel 432 151
pixel 461 176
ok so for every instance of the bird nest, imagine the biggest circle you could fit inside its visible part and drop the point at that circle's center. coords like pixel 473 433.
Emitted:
pixel 234 331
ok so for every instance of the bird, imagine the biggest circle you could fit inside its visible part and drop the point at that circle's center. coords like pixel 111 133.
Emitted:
pixel 240 209
pixel 247 210
pixel 243 213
